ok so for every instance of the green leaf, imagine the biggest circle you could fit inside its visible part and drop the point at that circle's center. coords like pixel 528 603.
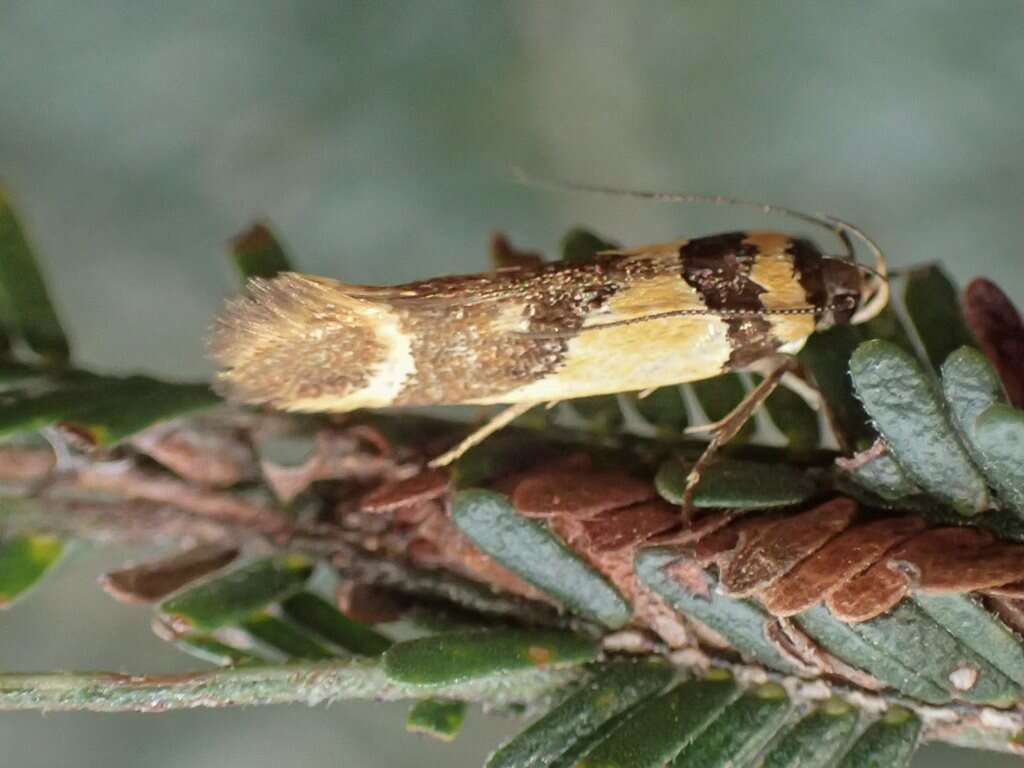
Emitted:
pixel 718 397
pixel 888 743
pixel 24 560
pixel 284 638
pixel 257 253
pixel 103 410
pixel 840 639
pixel 971 386
pixel 816 740
pixel 460 656
pixel 612 689
pixel 910 635
pixel 999 432
pixel 827 356
pixel 665 409
pixel 580 245
pixel 24 291
pixel 661 727
pixel 736 483
pixel 230 598
pixel 795 419
pixel 436 718
pixel 741 622
pixel 211 649
pixel 740 732
pixel 141 405
pixel 978 629
pixel 934 307
pixel 883 476
pixel 319 616
pixel 527 548
pixel 905 406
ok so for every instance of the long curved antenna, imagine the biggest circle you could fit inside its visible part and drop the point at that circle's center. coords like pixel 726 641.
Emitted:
pixel 878 291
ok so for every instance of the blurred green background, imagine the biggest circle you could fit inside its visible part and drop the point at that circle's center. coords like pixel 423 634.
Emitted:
pixel 137 137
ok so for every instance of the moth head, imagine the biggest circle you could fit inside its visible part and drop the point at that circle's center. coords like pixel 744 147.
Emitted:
pixel 854 293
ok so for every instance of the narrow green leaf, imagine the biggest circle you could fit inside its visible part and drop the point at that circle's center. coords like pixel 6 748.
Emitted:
pixel 883 476
pixel 663 726
pixel 29 412
pixel 24 290
pixel 436 718
pixel 913 637
pixel 103 409
pixel 319 616
pixel 460 656
pixel 229 598
pixel 839 639
pixel 213 650
pixel 584 746
pixel 257 253
pixel 999 432
pixel 905 406
pixel 978 629
pixel 24 560
pixel 795 419
pixel 529 549
pixel 934 307
pixel 284 638
pixel 816 740
pixel 740 732
pixel 611 690
pixel 888 743
pixel 580 245
pixel 718 396
pixel 141 405
pixel 665 409
pixel 827 356
pixel 741 622
pixel 736 483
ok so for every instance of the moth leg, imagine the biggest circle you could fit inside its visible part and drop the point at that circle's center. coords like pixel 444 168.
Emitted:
pixel 724 430
pixel 496 422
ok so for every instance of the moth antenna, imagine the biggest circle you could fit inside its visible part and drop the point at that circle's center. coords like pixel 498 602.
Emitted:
pixel 878 291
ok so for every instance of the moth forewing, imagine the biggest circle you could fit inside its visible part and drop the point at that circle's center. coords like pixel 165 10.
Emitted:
pixel 629 320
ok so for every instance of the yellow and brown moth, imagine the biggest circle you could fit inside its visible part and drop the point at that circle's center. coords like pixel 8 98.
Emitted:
pixel 626 320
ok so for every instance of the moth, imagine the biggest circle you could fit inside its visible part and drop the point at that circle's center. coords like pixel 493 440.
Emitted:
pixel 632 319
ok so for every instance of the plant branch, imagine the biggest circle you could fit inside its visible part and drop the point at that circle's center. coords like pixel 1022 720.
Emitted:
pixel 306 683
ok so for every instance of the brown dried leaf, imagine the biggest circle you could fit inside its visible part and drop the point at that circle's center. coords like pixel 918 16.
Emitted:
pixel 210 458
pixel 695 530
pixel 428 485
pixel 579 494
pixel 154 580
pixel 870 594
pixel 955 560
pixel 368 604
pixel 848 554
pixel 998 327
pixel 629 526
pixel 715 548
pixel 760 561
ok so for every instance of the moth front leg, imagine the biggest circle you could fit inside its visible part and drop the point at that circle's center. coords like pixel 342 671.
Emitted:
pixel 774 369
pixel 477 436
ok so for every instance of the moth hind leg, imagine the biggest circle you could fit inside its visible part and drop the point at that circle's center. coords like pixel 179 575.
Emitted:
pixel 498 421
pixel 774 371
